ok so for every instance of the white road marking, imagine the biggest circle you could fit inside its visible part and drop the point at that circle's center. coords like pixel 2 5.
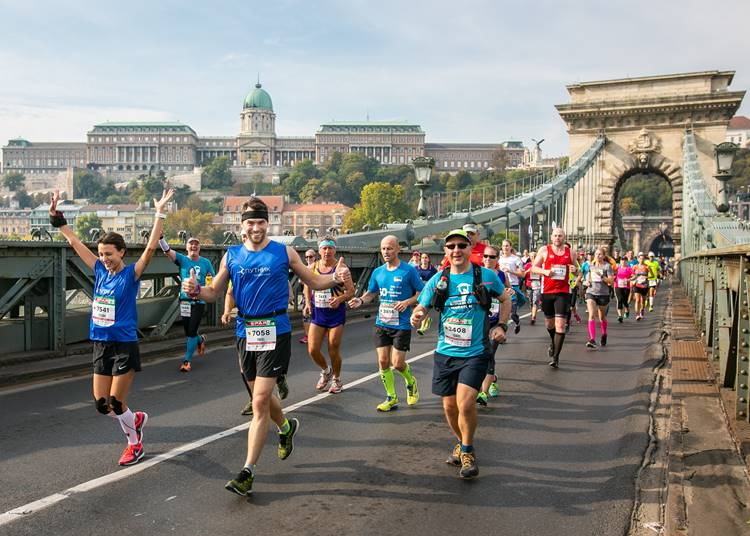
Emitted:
pixel 162 385
pixel 76 405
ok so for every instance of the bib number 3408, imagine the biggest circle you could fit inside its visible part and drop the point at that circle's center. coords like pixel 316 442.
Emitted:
pixel 457 332
pixel 261 335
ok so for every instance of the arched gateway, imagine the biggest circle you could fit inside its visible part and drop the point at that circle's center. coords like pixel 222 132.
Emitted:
pixel 644 120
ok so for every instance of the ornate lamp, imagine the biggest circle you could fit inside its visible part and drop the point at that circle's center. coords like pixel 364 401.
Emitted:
pixel 724 154
pixel 422 170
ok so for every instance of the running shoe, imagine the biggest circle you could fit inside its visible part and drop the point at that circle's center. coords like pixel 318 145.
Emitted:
pixel 455 457
pixel 185 366
pixel 248 409
pixel 517 328
pixel 242 484
pixel 638 318
pixel 201 346
pixel 469 467
pixel 591 343
pixel 336 386
pixel 324 380
pixel 286 441
pixel 493 391
pixel 619 319
pixel 141 418
pixel 131 455
pixel 627 314
pixel 412 394
pixel 604 340
pixel 303 340
pixel 482 398
pixel 554 363
pixel 650 308
pixel 283 386
pixel 550 350
pixel 389 404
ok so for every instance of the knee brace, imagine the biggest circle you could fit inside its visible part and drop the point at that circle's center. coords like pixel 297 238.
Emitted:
pixel 102 406
pixel 116 405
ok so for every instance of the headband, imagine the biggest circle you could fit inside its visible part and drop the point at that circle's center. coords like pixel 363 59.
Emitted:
pixel 256 214
pixel 329 243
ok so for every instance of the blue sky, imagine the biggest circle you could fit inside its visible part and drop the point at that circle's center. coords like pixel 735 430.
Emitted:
pixel 480 71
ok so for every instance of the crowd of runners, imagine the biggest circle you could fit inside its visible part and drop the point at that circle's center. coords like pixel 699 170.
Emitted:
pixel 471 295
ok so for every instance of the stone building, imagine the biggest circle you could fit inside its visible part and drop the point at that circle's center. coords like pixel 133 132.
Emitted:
pixel 321 218
pixel 738 131
pixel 15 221
pixel 128 219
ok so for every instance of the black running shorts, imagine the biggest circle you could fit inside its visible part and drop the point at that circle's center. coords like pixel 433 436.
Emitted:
pixel 449 371
pixel 556 304
pixel 400 339
pixel 112 358
pixel 600 300
pixel 643 291
pixel 267 364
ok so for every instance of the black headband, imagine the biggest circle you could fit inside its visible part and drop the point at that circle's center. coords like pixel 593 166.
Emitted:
pixel 255 214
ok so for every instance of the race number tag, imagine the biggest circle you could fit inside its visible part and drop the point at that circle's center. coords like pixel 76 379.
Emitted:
pixel 457 332
pixel 103 311
pixel 622 283
pixel 321 298
pixel 388 314
pixel 651 283
pixel 559 271
pixel 495 307
pixel 261 335
pixel 596 276
pixel 536 284
pixel 641 279
pixel 186 308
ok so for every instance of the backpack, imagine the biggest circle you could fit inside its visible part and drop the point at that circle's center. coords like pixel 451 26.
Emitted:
pixel 482 294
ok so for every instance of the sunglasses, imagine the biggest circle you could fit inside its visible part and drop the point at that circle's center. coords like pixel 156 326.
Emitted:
pixel 459 245
pixel 490 256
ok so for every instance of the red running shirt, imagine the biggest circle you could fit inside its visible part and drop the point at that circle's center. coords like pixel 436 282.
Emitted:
pixel 557 282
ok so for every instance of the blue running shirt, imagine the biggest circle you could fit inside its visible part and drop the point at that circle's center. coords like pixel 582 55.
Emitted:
pixel 113 312
pixel 202 268
pixel 464 325
pixel 395 285
pixel 260 284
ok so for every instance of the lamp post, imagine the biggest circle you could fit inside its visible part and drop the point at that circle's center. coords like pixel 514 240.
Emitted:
pixel 540 229
pixel 580 237
pixel 422 170
pixel 724 154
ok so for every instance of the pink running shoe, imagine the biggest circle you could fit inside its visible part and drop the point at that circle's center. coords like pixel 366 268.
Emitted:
pixel 336 386
pixel 325 379
pixel 141 418
pixel 131 455
pixel 303 340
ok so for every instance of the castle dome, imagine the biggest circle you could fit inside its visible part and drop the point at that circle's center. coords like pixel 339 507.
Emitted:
pixel 258 98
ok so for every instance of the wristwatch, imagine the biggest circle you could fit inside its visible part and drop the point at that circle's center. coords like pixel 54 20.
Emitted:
pixel 503 325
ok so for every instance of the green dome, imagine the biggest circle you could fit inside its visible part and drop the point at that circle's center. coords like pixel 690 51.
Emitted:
pixel 258 98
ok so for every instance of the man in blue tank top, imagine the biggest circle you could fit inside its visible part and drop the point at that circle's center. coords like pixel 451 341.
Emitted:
pixel 463 295
pixel 397 284
pixel 259 269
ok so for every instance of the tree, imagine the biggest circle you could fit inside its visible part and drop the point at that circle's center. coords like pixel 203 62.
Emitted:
pixel 196 223
pixel 24 200
pixel 380 203
pixel 499 160
pixel 14 180
pixel 740 181
pixel 86 184
pixel 459 181
pixel 85 223
pixel 216 174
pixel 311 191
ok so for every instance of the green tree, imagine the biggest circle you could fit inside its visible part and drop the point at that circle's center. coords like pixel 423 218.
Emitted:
pixel 85 223
pixel 650 194
pixel 459 181
pixel 196 223
pixel 86 184
pixel 14 180
pixel 216 174
pixel 740 181
pixel 311 191
pixel 380 203
pixel 24 199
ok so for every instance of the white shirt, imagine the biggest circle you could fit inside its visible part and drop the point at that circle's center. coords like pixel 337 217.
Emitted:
pixel 509 264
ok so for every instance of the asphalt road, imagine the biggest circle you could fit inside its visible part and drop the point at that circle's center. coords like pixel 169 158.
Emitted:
pixel 558 451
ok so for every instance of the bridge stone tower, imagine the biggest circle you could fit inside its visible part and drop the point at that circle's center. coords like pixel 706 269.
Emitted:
pixel 644 120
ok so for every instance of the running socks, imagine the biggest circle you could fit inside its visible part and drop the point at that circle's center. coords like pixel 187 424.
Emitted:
pixel 127 423
pixel 285 427
pixel 592 329
pixel 467 448
pixel 603 326
pixel 650 301
pixel 192 346
pixel 551 332
pixel 250 468
pixel 558 344
pixel 406 375
pixel 389 382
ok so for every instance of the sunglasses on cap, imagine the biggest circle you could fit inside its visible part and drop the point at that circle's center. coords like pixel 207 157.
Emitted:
pixel 490 256
pixel 459 245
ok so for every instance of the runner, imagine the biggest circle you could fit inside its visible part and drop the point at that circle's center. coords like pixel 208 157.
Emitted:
pixel 425 270
pixel 499 314
pixel 114 321
pixel 653 279
pixel 631 260
pixel 534 284
pixel 600 279
pixel 327 312
pixel 416 258
pixel 477 248
pixel 462 294
pixel 397 285
pixel 512 265
pixel 641 272
pixel 191 311
pixel 310 257
pixel 555 262
pixel 258 269
pixel 576 284
pixel 623 275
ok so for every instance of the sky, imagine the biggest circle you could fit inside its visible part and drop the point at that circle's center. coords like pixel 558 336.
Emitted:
pixel 470 71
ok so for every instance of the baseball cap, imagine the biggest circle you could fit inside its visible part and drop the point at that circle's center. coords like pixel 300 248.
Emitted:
pixel 640 254
pixel 457 232
pixel 470 228
pixel 650 253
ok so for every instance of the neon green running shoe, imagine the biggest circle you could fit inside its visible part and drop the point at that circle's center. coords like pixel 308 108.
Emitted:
pixel 286 441
pixel 412 394
pixel 494 391
pixel 389 404
pixel 482 398
pixel 242 484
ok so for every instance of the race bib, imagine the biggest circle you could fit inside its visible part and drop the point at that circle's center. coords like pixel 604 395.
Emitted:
pixel 536 284
pixel 641 279
pixel 186 308
pixel 495 307
pixel 103 311
pixel 322 297
pixel 651 283
pixel 387 314
pixel 261 335
pixel 457 332
pixel 596 276
pixel 622 283
pixel 559 271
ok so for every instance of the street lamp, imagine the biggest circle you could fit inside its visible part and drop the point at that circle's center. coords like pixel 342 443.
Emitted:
pixel 540 229
pixel 724 154
pixel 422 170
pixel 580 237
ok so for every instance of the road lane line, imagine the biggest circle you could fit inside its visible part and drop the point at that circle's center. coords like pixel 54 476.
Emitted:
pixel 35 506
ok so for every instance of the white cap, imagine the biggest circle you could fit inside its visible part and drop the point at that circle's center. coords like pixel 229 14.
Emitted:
pixel 470 228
